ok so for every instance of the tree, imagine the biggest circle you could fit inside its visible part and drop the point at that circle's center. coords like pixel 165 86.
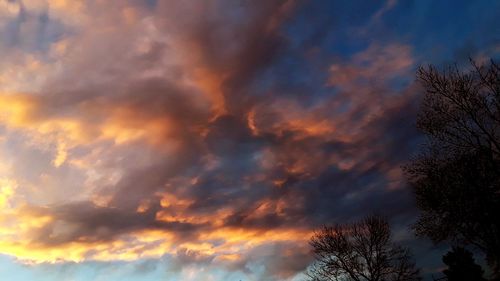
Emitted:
pixel 360 251
pixel 456 177
pixel 461 266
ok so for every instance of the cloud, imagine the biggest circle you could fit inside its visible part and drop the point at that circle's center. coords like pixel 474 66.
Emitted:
pixel 155 135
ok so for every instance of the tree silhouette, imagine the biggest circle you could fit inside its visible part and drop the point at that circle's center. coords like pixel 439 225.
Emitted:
pixel 461 266
pixel 360 251
pixel 456 177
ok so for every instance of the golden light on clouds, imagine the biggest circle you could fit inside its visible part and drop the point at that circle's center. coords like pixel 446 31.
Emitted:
pixel 7 190
pixel 232 243
pixel 136 130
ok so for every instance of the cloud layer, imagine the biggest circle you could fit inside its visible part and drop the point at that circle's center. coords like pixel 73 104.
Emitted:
pixel 215 133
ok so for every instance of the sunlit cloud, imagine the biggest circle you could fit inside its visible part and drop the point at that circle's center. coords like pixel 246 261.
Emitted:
pixel 214 136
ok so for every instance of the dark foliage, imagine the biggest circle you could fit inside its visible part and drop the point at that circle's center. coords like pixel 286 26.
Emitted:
pixel 360 251
pixel 456 178
pixel 461 266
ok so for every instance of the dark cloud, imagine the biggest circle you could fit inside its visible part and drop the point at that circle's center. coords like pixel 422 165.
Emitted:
pixel 285 170
pixel 87 223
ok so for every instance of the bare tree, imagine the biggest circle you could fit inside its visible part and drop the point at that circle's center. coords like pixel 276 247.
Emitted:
pixel 456 177
pixel 360 251
pixel 460 112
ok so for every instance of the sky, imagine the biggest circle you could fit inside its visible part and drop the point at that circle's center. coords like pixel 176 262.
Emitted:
pixel 206 140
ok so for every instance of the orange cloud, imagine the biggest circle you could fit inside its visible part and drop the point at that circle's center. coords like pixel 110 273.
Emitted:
pixel 18 226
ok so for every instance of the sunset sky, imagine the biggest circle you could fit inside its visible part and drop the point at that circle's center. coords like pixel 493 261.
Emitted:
pixel 206 140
